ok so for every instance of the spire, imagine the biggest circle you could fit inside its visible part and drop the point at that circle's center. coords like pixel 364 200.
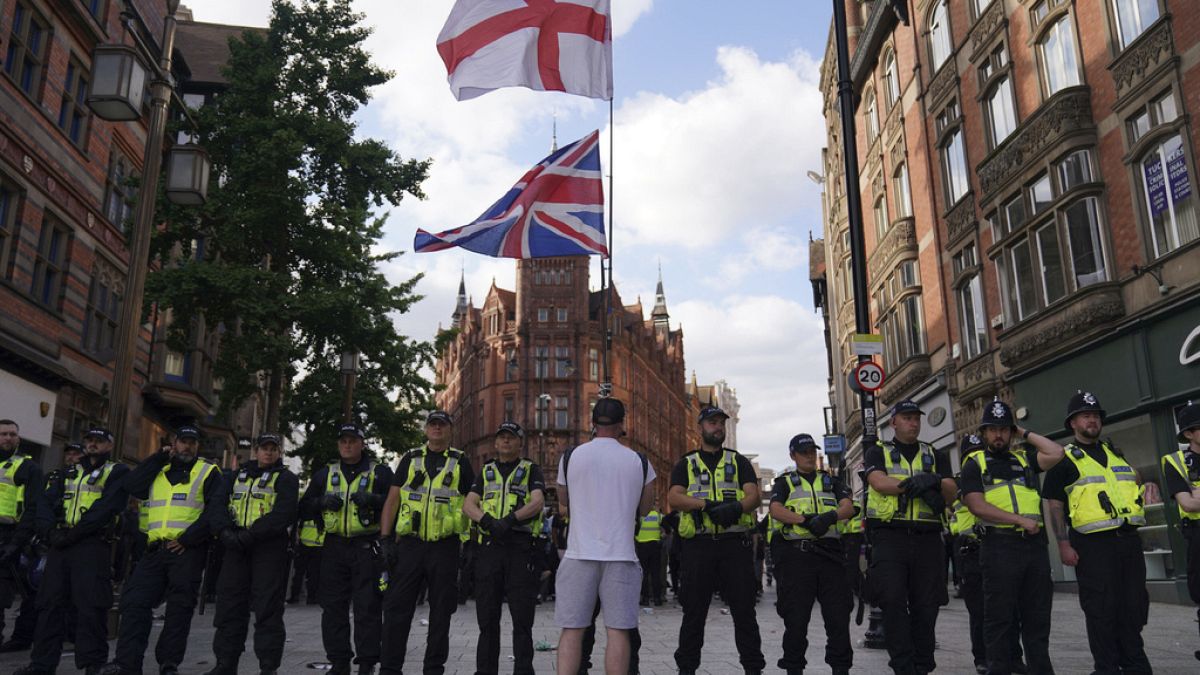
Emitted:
pixel 460 309
pixel 659 313
pixel 554 134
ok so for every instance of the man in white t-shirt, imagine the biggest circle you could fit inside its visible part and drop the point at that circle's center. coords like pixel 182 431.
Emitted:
pixel 606 488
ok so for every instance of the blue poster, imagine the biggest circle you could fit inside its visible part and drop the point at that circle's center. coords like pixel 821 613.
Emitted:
pixel 1156 188
pixel 1181 187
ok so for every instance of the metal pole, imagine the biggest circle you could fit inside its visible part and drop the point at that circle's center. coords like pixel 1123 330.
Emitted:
pixel 348 398
pixel 139 244
pixel 858 256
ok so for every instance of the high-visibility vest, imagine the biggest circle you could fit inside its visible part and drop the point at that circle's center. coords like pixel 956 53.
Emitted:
pixel 252 498
pixel 650 529
pixel 12 496
pixel 886 508
pixel 171 509
pixel 853 525
pixel 1178 461
pixel 311 535
pixel 962 521
pixel 721 485
pixel 502 496
pixel 431 506
pixel 809 499
pixel 81 489
pixel 347 521
pixel 1019 495
pixel 1086 497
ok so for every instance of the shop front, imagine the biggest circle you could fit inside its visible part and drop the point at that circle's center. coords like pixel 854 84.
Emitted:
pixel 1142 374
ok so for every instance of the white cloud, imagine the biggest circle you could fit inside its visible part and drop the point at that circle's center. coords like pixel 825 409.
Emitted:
pixel 766 249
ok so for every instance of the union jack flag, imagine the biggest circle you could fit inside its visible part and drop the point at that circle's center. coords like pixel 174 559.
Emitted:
pixel 557 208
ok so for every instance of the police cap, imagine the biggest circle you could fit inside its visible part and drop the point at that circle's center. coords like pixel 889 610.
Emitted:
pixel 802 443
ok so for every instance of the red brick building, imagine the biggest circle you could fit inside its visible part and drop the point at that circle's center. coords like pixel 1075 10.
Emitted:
pixel 534 356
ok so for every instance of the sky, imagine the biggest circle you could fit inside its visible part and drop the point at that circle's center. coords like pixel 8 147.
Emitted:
pixel 716 121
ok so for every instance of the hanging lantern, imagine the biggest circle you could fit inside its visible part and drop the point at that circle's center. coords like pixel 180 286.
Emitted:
pixel 118 83
pixel 187 175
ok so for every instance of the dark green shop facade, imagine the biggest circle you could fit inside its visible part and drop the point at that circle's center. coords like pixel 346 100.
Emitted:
pixel 1142 372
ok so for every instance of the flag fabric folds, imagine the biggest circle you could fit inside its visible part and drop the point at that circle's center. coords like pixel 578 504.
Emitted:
pixel 557 208
pixel 545 45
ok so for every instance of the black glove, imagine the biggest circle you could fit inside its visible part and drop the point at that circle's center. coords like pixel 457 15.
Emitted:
pixel 487 522
pixel 9 553
pixel 501 528
pixel 390 551
pixel 230 539
pixel 61 538
pixel 920 483
pixel 363 499
pixel 935 500
pixel 819 525
pixel 245 539
pixel 332 502
pixel 726 514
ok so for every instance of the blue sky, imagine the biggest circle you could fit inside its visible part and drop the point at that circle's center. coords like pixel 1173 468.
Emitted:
pixel 717 120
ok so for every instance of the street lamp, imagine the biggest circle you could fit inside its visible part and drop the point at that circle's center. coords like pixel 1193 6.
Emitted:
pixel 187 175
pixel 118 82
pixel 349 376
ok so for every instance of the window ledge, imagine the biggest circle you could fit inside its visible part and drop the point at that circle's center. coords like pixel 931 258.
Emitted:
pixel 1137 64
pixel 1059 327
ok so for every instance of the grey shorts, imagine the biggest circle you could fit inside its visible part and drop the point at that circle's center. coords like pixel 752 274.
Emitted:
pixel 579 583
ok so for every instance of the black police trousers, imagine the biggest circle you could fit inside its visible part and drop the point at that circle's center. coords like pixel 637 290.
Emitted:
pixel 966 551
pixel 350 575
pixel 78 577
pixel 159 575
pixel 252 581
pixel 1191 533
pixel 1112 593
pixel 504 572
pixel 649 555
pixel 1017 590
pixel 724 564
pixel 852 550
pixel 908 579
pixel 806 574
pixel 306 573
pixel 434 563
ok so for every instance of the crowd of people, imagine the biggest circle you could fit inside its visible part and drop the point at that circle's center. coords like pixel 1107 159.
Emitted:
pixel 368 543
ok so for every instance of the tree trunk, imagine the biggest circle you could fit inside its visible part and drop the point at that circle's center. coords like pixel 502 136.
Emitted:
pixel 274 399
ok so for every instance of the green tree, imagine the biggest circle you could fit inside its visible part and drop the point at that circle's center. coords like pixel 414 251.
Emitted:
pixel 289 270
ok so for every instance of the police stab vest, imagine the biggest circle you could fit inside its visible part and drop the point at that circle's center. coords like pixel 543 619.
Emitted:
pixel 502 496
pixel 12 496
pixel 722 485
pixel 650 528
pixel 83 489
pixel 886 508
pixel 431 506
pixel 252 498
pixel 1178 462
pixel 171 509
pixel 1019 496
pixel 853 525
pixel 962 521
pixel 311 535
pixel 347 521
pixel 1103 498
pixel 810 500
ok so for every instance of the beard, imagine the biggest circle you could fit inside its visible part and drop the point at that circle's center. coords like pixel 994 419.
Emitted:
pixel 716 438
pixel 1088 433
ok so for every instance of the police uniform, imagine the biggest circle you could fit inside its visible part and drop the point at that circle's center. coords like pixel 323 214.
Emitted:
pixel 262 506
pixel 1181 473
pixel 429 524
pixel 1015 566
pixel 810 566
pixel 79 533
pixel 852 533
pixel 348 498
pixel 21 490
pixel 1103 503
pixel 716 557
pixel 306 570
pixel 648 542
pixel 907 572
pixel 966 552
pixel 184 502
pixel 505 569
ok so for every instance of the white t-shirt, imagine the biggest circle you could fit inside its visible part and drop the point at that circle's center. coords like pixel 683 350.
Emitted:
pixel 603 494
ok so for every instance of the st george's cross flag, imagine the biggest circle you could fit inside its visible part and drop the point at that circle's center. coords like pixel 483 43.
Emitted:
pixel 545 45
pixel 557 208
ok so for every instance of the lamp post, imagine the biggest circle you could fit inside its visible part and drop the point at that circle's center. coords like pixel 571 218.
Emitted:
pixel 349 378
pixel 115 94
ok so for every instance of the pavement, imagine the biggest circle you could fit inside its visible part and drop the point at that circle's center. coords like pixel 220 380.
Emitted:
pixel 1171 637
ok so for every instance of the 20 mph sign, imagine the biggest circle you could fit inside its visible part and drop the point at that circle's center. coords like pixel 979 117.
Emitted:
pixel 870 376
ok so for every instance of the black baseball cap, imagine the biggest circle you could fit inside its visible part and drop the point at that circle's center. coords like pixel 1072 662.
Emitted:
pixel 510 428
pixel 906 406
pixel 608 411
pixel 99 432
pixel 188 431
pixel 350 429
pixel 72 447
pixel 439 416
pixel 802 443
pixel 709 411
pixel 269 438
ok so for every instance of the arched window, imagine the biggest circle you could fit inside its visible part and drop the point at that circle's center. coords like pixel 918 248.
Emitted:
pixel 1060 65
pixel 939 35
pixel 871 116
pixel 891 79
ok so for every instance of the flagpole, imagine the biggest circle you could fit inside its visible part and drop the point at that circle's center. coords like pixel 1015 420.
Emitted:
pixel 606 387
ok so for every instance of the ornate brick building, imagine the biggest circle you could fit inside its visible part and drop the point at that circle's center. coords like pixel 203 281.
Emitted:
pixel 534 356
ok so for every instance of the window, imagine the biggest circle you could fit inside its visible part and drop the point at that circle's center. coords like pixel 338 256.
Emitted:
pixel 1060 66
pixel 1086 243
pixel 1023 285
pixel 979 6
pixel 939 35
pixel 177 367
pixel 510 365
pixel 561 413
pixel 881 222
pixel 593 365
pixel 907 275
pixel 1041 194
pixel 900 188
pixel 95 7
pixel 9 201
pixel 1133 18
pixel 73 115
pixel 1160 111
pixel 954 162
pixel 50 264
pixel 965 259
pixel 103 309
pixel 542 416
pixel 1075 170
pixel 562 314
pixel 972 318
pixel 119 194
pixel 25 59
pixel 509 406
pixel 562 362
pixel 541 358
pixel 998 103
pixel 871 117
pixel 891 80
pixel 1053 284
pixel 543 314
pixel 1170 206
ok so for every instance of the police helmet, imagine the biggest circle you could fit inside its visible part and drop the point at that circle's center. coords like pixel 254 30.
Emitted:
pixel 1188 419
pixel 970 443
pixel 997 414
pixel 1083 401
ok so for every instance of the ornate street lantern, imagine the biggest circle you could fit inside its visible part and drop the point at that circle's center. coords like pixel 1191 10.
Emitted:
pixel 118 83
pixel 187 175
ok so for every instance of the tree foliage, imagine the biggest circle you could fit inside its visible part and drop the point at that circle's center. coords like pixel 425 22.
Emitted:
pixel 290 270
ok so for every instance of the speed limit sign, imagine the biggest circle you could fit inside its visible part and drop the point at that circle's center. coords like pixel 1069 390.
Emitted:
pixel 869 375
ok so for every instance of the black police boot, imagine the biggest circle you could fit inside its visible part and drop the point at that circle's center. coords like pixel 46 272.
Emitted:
pixel 366 669
pixel 169 669
pixel 31 670
pixel 223 668
pixel 340 668
pixel 268 671
pixel 93 670
pixel 753 671
pixel 111 669
pixel 15 646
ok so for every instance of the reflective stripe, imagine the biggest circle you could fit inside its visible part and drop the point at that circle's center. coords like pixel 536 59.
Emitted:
pixel 1178 462
pixel 804 498
pixel 169 510
pixel 887 507
pixel 12 496
pixel 1104 497
pixel 720 485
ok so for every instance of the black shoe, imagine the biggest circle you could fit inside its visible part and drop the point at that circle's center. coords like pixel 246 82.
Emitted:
pixel 1019 668
pixel 753 671
pixel 223 668
pixel 366 669
pixel 111 669
pixel 658 602
pixel 683 671
pixel 339 669
pixel 92 670
pixel 268 671
pixel 32 670
pixel 15 646
pixel 293 600
pixel 170 669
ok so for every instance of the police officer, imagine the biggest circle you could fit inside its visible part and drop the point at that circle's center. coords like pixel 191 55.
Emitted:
pixel 1181 476
pixel 1000 487
pixel 806 505
pixel 306 572
pixel 908 487
pixel 21 490
pixel 348 495
pixel 966 551
pixel 649 552
pixel 506 501
pixel 423 519
pixel 262 505
pixel 73 453
pixel 715 489
pixel 852 536
pixel 78 532
pixel 1095 507
pixel 184 504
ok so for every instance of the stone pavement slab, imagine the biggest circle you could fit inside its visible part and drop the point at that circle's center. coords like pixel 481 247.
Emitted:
pixel 1171 637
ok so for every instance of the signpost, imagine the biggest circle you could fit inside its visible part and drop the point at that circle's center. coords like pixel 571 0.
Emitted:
pixel 869 376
